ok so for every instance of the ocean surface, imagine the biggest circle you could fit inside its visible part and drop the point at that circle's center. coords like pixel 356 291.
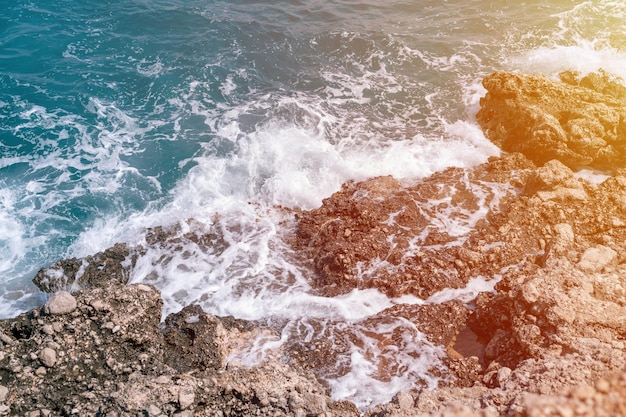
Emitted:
pixel 116 116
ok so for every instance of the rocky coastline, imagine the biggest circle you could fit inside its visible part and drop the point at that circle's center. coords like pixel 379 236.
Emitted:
pixel 549 341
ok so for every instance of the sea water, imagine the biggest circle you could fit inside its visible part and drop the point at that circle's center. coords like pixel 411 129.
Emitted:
pixel 117 116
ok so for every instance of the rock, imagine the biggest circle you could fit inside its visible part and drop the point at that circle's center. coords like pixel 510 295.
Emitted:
pixel 95 371
pixel 582 400
pixel 404 400
pixel 62 302
pixel 48 357
pixel 101 269
pixel 404 240
pixel 551 244
pixel 597 258
pixel 577 123
pixel 186 398
pixel 503 375
pixel 194 340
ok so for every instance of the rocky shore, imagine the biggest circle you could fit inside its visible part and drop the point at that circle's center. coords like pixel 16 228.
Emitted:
pixel 549 341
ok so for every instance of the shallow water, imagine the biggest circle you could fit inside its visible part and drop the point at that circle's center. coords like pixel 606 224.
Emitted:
pixel 117 116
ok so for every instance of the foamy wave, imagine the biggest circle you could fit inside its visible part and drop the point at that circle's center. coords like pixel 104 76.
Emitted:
pixel 581 58
pixel 586 38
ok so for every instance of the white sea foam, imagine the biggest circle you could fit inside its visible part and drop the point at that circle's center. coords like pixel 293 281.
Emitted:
pixel 588 37
pixel 12 244
pixel 583 58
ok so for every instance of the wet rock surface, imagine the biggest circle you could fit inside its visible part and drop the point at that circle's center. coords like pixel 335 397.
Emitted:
pixel 548 340
pixel 112 356
pixel 410 239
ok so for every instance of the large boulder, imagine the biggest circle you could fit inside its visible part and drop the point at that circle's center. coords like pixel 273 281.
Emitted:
pixel 580 122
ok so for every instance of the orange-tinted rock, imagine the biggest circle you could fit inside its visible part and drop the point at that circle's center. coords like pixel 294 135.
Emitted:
pixel 578 122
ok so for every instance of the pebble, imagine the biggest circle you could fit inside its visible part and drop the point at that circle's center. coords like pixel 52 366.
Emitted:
pixel 4 392
pixel 48 357
pixel 503 375
pixel 603 386
pixel 186 397
pixel 62 302
pixel 6 339
pixel 153 410
pixel 405 400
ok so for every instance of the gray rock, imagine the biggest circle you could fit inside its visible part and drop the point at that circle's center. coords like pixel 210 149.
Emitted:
pixel 404 400
pixel 62 302
pixel 48 357
pixel 186 397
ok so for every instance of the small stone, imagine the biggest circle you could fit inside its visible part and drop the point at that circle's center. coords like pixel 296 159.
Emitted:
pixel 41 371
pixel 404 400
pixel 4 392
pixel 163 379
pixel 57 326
pixel 603 386
pixel 62 302
pixel 48 357
pixel 597 258
pixel 47 329
pixel 6 339
pixel 153 410
pixel 143 287
pixel 186 397
pixel 99 305
pixel 504 374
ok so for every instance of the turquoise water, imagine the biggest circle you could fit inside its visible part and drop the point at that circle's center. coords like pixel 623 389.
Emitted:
pixel 121 115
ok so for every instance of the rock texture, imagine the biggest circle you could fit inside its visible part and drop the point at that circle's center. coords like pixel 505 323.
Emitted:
pixel 112 356
pixel 579 121
pixel 549 340
pixel 409 239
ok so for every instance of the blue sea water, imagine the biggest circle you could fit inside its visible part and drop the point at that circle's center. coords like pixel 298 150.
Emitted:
pixel 121 115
